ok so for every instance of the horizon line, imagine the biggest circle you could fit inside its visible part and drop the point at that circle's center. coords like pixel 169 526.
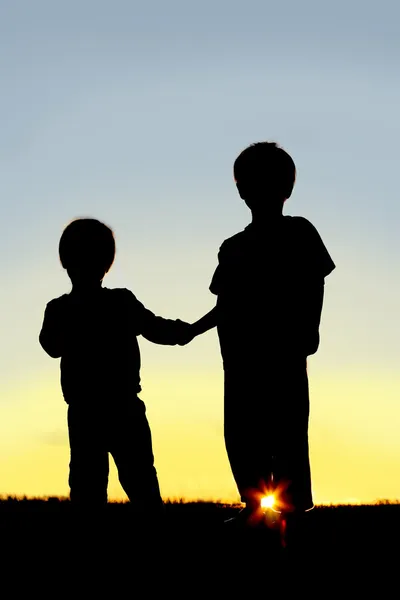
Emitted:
pixel 177 500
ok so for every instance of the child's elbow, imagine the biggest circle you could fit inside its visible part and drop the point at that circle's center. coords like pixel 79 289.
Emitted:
pixel 50 349
pixel 313 345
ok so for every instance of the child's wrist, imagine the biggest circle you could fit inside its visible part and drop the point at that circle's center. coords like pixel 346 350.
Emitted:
pixel 194 329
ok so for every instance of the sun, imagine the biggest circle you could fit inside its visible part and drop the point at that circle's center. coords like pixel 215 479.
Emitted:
pixel 268 501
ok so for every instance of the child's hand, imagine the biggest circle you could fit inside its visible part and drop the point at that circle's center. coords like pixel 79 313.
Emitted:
pixel 186 334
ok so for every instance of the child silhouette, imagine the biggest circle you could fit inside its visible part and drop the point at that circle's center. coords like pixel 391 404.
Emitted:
pixel 269 284
pixel 94 330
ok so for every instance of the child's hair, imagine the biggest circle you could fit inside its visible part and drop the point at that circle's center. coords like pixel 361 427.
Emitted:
pixel 89 242
pixel 265 162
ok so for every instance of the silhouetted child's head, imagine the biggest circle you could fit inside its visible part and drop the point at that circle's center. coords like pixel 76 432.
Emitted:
pixel 265 175
pixel 87 251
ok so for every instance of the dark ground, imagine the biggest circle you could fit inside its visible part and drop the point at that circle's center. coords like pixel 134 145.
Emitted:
pixel 193 552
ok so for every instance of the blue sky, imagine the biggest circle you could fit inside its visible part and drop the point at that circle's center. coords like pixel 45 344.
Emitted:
pixel 134 112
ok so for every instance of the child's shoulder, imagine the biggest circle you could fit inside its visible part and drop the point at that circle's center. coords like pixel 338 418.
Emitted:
pixel 122 296
pixel 301 223
pixel 301 230
pixel 115 295
pixel 58 302
pixel 233 242
pixel 307 237
pixel 121 292
pixel 295 224
pixel 295 227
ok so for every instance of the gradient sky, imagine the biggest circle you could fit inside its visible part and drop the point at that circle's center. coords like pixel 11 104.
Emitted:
pixel 134 113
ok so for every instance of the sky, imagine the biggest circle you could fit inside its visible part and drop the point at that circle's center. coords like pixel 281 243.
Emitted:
pixel 133 113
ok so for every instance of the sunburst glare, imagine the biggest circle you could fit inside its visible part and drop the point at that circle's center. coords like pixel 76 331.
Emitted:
pixel 268 501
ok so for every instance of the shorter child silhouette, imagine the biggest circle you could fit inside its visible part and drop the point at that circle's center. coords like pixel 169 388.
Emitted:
pixel 94 330
pixel 269 284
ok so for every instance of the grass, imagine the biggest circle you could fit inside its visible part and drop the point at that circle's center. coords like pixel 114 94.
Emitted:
pixel 348 543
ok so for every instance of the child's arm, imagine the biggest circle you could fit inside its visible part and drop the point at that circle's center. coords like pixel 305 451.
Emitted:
pixel 319 266
pixel 205 323
pixel 158 330
pixel 51 336
pixel 167 332
pixel 312 316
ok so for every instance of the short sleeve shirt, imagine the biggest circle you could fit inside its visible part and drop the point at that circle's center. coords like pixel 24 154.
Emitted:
pixel 294 248
pixel 261 273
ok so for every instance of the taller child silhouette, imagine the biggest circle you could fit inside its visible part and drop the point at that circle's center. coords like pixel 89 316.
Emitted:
pixel 270 286
pixel 94 330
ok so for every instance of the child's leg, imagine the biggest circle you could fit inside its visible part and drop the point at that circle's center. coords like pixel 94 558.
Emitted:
pixel 88 469
pixel 266 433
pixel 131 448
pixel 292 465
pixel 292 476
pixel 250 463
pixel 247 441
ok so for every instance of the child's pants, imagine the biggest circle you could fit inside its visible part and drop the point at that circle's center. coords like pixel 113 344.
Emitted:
pixel 123 431
pixel 266 432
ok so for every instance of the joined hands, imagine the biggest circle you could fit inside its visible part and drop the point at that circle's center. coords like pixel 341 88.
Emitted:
pixel 186 333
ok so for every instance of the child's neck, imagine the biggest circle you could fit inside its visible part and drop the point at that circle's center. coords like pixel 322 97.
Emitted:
pixel 264 217
pixel 86 287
